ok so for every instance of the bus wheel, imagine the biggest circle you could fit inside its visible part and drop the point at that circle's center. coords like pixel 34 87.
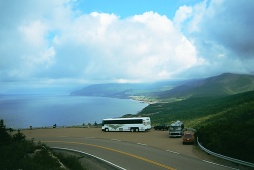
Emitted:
pixel 132 130
pixel 106 130
pixel 137 129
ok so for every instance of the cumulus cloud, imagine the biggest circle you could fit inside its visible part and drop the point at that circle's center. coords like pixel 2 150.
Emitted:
pixel 53 40
pixel 183 13
pixel 61 43
pixel 222 32
pixel 233 26
pixel 34 33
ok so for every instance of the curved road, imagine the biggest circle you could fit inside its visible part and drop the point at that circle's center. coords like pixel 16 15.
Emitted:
pixel 125 154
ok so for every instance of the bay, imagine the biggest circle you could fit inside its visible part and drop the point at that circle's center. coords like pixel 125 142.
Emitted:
pixel 23 111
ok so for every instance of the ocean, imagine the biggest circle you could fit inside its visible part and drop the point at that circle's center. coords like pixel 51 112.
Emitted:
pixel 23 111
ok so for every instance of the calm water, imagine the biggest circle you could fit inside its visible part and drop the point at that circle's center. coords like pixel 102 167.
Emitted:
pixel 23 111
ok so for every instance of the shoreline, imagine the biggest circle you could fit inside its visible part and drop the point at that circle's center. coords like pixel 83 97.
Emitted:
pixel 143 99
pixel 43 111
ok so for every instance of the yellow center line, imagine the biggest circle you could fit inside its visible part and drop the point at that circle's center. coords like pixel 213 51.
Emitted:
pixel 118 151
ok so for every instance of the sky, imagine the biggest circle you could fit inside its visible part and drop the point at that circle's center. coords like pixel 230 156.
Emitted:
pixel 49 42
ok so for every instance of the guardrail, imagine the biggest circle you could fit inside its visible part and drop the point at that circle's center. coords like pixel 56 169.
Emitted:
pixel 225 157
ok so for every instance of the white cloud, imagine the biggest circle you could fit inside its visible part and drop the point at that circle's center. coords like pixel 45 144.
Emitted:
pixel 183 13
pixel 54 40
pixel 222 33
pixel 34 33
pixel 46 58
pixel 70 44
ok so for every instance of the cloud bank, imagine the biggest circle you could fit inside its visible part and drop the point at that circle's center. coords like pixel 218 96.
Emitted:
pixel 54 41
pixel 221 31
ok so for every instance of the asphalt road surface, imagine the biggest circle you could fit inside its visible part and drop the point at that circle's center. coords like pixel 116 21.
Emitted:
pixel 126 150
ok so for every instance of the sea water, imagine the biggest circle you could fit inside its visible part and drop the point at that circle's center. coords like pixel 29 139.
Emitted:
pixel 23 111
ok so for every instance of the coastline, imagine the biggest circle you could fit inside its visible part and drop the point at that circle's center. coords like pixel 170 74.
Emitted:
pixel 144 99
pixel 21 112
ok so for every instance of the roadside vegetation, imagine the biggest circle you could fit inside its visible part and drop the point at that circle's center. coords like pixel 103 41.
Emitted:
pixel 224 124
pixel 19 153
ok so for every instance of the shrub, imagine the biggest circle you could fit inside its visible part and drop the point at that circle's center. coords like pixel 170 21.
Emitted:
pixel 19 153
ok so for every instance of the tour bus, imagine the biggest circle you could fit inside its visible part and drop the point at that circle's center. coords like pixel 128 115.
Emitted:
pixel 126 124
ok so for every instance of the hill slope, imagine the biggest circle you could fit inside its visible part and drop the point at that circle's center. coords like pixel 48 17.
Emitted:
pixel 224 84
pixel 224 124
pixel 125 90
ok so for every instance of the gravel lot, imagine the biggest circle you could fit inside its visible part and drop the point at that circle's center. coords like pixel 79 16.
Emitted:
pixel 153 138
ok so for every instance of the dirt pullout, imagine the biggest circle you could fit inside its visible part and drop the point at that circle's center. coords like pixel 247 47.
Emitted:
pixel 154 138
pixel 157 139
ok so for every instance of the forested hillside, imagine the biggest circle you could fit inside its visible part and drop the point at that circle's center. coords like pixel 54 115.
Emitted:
pixel 168 91
pixel 224 124
pixel 221 108
pixel 126 90
pixel 221 85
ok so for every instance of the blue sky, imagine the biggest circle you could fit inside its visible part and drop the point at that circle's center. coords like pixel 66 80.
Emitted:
pixel 128 8
pixel 51 42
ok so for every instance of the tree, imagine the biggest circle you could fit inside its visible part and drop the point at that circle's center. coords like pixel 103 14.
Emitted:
pixel 2 126
pixel 19 136
pixel 4 136
pixel 10 130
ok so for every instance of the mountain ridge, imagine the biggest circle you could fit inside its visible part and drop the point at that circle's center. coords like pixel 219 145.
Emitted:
pixel 221 85
pixel 124 90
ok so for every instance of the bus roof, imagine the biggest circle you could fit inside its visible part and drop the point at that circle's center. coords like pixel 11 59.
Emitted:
pixel 130 118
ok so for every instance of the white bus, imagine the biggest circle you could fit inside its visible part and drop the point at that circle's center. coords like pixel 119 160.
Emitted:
pixel 126 124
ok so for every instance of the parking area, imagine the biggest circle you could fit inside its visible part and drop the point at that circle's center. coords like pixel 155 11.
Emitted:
pixel 154 138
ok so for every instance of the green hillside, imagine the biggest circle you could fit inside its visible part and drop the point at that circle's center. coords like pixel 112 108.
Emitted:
pixel 125 90
pixel 224 124
pixel 224 84
pixel 221 108
pixel 170 91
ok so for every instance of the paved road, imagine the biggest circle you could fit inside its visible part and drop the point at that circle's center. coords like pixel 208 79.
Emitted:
pixel 128 154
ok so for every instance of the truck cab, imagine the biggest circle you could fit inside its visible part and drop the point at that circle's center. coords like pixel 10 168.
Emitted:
pixel 161 127
pixel 176 129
